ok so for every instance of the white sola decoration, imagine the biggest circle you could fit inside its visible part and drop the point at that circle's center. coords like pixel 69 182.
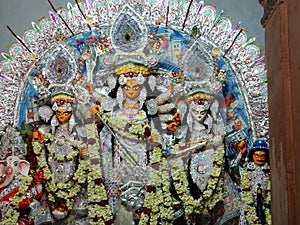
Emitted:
pixel 214 30
pixel 127 34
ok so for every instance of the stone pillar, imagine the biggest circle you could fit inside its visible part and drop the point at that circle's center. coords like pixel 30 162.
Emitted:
pixel 282 34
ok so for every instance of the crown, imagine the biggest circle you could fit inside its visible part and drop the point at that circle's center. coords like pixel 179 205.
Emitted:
pixel 62 96
pixel 132 70
pixel 198 69
pixel 200 100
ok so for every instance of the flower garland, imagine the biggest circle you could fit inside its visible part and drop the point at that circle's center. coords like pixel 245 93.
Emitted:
pixel 211 195
pixel 99 208
pixel 68 190
pixel 158 202
pixel 153 198
pixel 63 158
pixel 248 201
pixel 132 130
pixel 166 210
pixel 12 215
pixel 87 171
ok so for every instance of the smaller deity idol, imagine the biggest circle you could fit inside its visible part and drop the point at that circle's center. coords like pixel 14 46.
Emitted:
pixel 17 188
pixel 255 179
pixel 203 127
pixel 60 155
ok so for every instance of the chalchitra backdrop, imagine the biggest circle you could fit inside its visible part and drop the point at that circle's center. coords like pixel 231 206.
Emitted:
pixel 134 112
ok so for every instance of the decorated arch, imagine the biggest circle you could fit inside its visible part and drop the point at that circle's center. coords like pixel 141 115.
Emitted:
pixel 134 112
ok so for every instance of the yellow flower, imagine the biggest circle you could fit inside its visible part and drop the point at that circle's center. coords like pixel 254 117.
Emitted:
pixel 70 195
pixel 246 188
pixel 176 179
pixel 190 202
pixel 219 163
pixel 180 192
pixel 214 175
pixel 211 186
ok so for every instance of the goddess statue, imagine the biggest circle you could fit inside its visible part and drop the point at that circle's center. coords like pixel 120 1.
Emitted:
pixel 131 130
pixel 204 126
pixel 127 139
pixel 60 155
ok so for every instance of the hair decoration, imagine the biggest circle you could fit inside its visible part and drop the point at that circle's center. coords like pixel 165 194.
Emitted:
pixel 139 79
pixel 132 70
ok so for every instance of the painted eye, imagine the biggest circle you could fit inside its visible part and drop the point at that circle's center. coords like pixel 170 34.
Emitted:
pixel 136 88
pixel 126 88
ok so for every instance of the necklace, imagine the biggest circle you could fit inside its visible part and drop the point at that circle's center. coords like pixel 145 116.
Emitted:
pixel 134 103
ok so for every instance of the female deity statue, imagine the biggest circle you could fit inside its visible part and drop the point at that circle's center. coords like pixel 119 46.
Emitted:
pixel 60 155
pixel 124 150
pixel 202 161
pixel 204 126
pixel 127 139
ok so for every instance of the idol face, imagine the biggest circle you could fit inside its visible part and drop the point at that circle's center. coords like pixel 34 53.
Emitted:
pixel 63 116
pixel 132 89
pixel 259 158
pixel 198 114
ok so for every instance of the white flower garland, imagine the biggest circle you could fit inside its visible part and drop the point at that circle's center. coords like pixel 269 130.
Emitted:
pixel 248 202
pixel 131 130
pixel 99 208
pixel 68 190
pixel 158 202
pixel 88 171
pixel 211 195
pixel 153 198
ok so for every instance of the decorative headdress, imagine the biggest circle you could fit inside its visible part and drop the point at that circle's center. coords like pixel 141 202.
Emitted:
pixel 132 72
pixel 200 100
pixel 62 97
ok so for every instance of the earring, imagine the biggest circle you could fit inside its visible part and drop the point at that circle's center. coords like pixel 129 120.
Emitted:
pixel 54 123
pixel 142 97
pixel 120 97
pixel 72 123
